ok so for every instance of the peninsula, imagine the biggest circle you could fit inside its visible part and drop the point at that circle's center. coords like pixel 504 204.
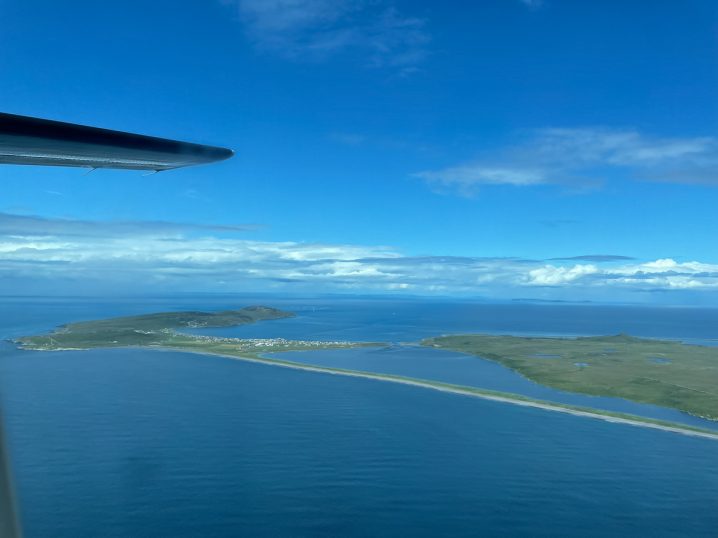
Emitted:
pixel 163 332
pixel 661 372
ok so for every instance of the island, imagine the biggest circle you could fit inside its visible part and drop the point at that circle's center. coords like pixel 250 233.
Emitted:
pixel 661 372
pixel 164 331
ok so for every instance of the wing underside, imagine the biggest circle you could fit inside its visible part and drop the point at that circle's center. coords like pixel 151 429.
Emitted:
pixel 35 141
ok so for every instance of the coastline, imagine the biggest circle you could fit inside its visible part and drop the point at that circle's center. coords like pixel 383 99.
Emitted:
pixel 652 371
pixel 466 391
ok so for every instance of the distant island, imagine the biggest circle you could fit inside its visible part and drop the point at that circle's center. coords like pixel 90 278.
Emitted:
pixel 617 366
pixel 163 330
pixel 660 372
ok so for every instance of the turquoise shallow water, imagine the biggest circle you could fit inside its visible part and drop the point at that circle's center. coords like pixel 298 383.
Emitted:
pixel 135 443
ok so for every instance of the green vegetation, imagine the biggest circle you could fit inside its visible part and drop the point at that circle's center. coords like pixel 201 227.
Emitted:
pixel 660 372
pixel 159 330
pixel 150 329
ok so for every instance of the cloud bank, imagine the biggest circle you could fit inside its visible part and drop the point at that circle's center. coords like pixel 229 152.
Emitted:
pixel 73 254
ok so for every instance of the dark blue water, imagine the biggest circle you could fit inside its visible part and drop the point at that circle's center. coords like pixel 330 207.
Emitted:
pixel 135 443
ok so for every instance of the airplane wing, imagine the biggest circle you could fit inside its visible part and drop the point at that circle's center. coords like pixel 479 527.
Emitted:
pixel 27 140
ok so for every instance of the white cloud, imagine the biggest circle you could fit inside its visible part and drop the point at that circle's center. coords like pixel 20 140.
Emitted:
pixel 550 275
pixel 622 147
pixel 466 179
pixel 663 273
pixel 53 252
pixel 317 29
pixel 583 156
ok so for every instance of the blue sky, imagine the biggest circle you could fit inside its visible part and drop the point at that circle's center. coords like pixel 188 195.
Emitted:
pixel 504 148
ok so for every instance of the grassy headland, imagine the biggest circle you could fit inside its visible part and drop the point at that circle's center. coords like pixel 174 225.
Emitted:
pixel 660 372
pixel 161 330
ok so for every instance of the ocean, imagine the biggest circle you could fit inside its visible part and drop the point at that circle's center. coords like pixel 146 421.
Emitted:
pixel 138 443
